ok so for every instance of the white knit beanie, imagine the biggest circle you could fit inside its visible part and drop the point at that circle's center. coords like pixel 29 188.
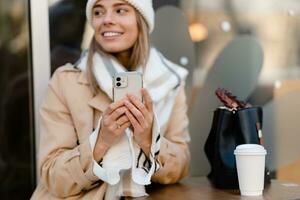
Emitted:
pixel 144 7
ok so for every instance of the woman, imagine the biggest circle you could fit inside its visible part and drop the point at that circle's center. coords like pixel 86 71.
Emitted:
pixel 93 148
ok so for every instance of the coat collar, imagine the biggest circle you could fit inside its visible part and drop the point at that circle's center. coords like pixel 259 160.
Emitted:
pixel 100 101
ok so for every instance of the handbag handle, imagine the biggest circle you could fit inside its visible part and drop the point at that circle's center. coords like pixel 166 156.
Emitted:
pixel 230 101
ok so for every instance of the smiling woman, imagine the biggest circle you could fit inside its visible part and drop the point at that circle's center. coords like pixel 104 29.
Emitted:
pixel 94 148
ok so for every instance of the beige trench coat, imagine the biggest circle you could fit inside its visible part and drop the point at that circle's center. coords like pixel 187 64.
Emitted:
pixel 69 114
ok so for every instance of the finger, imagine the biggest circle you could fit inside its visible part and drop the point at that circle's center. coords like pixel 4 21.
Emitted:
pixel 148 100
pixel 113 106
pixel 117 113
pixel 116 125
pixel 124 126
pixel 147 113
pixel 133 120
pixel 138 104
pixel 135 112
pixel 110 120
pixel 123 119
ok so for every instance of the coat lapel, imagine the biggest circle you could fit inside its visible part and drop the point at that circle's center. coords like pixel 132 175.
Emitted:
pixel 100 101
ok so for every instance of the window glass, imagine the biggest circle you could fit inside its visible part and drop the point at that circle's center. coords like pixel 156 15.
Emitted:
pixel 274 25
pixel 226 36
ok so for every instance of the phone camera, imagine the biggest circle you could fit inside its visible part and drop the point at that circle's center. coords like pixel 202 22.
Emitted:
pixel 118 84
pixel 118 79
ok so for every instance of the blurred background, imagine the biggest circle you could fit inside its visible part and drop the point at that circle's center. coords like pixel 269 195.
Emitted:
pixel 251 48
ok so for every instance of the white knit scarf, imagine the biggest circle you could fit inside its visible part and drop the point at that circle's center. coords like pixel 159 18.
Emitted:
pixel 124 167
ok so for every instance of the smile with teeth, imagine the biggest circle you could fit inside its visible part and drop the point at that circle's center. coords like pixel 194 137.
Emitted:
pixel 111 34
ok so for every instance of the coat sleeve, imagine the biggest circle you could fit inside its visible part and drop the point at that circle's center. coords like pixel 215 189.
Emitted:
pixel 174 155
pixel 65 167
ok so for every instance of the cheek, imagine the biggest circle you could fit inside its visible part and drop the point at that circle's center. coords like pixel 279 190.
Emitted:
pixel 135 33
pixel 95 23
pixel 133 29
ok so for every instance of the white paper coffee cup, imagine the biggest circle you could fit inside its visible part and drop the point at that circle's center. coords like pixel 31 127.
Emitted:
pixel 250 163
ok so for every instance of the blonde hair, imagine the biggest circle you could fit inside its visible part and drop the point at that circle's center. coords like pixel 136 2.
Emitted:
pixel 139 55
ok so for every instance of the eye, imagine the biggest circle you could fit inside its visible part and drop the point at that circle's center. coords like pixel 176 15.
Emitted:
pixel 98 12
pixel 121 11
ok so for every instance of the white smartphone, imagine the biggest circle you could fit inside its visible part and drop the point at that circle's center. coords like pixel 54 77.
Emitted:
pixel 127 82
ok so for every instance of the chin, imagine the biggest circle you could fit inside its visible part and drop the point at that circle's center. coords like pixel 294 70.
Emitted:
pixel 115 48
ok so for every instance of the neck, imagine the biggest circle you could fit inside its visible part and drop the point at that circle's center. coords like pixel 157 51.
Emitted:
pixel 123 58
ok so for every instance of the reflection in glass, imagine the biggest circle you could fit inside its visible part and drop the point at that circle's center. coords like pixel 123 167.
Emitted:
pixel 67 25
pixel 16 146
pixel 275 25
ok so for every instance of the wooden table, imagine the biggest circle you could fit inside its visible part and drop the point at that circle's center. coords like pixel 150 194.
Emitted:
pixel 198 188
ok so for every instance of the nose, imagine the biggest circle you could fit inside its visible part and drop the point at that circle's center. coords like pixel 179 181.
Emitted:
pixel 108 18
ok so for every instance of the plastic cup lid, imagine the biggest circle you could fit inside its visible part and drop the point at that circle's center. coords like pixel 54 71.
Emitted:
pixel 247 149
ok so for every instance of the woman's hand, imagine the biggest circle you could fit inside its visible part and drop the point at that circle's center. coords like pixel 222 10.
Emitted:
pixel 113 124
pixel 141 117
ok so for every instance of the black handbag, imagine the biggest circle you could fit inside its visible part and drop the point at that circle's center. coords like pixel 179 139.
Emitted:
pixel 230 128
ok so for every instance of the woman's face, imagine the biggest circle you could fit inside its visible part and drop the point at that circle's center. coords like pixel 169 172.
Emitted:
pixel 115 25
